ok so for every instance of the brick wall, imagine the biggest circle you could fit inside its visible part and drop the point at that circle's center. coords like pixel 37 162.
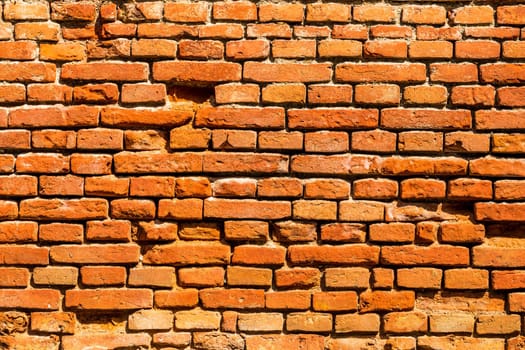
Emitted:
pixel 262 175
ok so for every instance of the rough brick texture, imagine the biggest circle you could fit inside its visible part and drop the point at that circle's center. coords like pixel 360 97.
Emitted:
pixel 251 175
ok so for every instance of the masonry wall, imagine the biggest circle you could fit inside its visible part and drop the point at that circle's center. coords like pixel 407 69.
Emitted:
pixel 262 175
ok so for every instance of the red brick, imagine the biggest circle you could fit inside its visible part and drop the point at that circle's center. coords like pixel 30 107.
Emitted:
pixel 473 15
pixel 375 189
pixel 468 279
pixel 239 11
pixel 103 275
pixel 478 49
pixel 258 255
pixel 513 15
pixel 53 322
pixel 69 51
pixel 184 253
pixel 202 49
pixel 108 230
pixel 324 118
pixel 390 31
pixel 95 254
pixel 154 277
pixel 431 49
pixel 453 72
pixel 351 254
pixel 55 276
pixel 469 189
pixel 14 277
pixel 393 232
pixel 165 30
pixel 309 322
pixel 492 32
pixel 289 300
pixel 154 162
pixel 501 257
pixel 79 11
pixel 329 94
pixel 72 209
pixel 34 299
pixel 249 277
pixel 201 277
pixel 288 341
pixel 100 138
pixel 152 186
pixel 334 301
pixel 509 190
pixel 234 93
pixel 105 340
pixel 490 166
pixel 26 11
pixel 424 14
pixel 109 299
pixel 28 72
pixel 466 142
pixel 221 31
pixel 234 188
pixel 311 31
pixel 21 185
pixel 196 71
pixel 96 93
pixel 327 12
pixel 269 30
pixel 246 209
pixel 58 232
pixel 425 256
pixel 385 49
pixel 380 72
pixel 91 164
pixel 246 230
pixel 297 278
pixel 186 298
pixel 355 323
pixel 118 29
pixel 502 73
pixel 149 231
pixel 270 117
pixel 286 72
pixel 379 141
pixel 426 118
pixel 106 186
pixel 76 33
pixel 423 189
pixel 374 13
pixel 49 93
pixel 504 119
pixel 286 12
pixel 232 298
pixel 507 280
pixel 419 278
pixel 517 302
pixel 513 49
pixel 101 71
pixel 339 48
pixel 372 301
pixel 377 94
pixel 68 185
pixel 24 255
pixel 473 95
pixel 132 209
pixel 186 12
pixel 350 31
pixel 112 116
